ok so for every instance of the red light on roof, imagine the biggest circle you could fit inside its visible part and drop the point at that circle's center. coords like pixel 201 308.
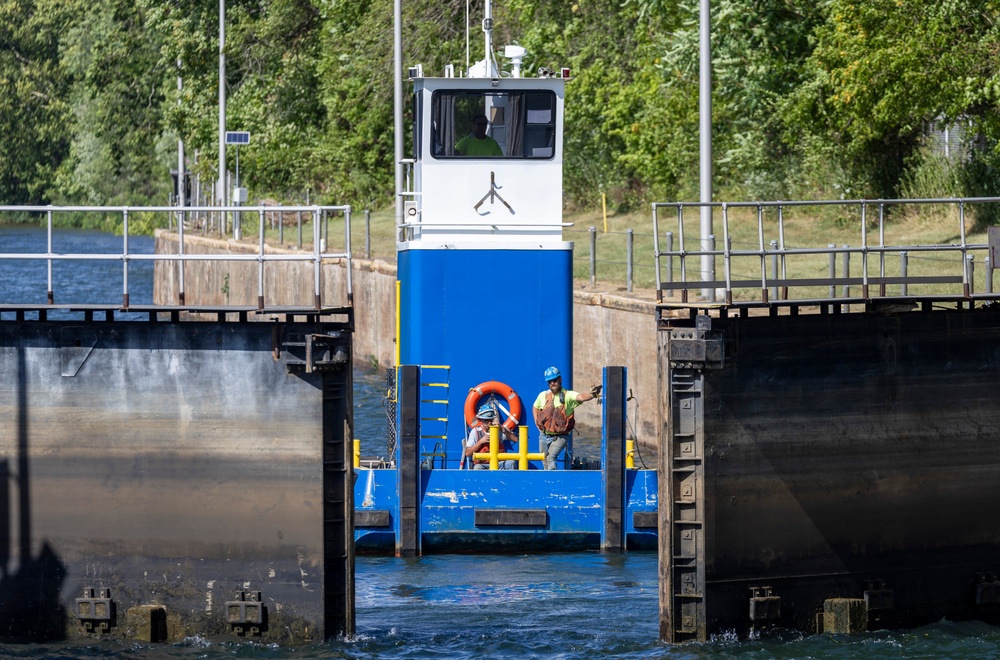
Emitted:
pixel 565 73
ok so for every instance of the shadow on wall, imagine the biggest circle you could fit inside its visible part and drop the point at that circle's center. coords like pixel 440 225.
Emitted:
pixel 30 609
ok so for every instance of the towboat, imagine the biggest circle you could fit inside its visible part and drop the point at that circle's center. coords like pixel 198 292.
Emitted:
pixel 484 316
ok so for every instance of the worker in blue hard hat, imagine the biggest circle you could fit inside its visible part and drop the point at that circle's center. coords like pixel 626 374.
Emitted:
pixel 553 410
pixel 478 440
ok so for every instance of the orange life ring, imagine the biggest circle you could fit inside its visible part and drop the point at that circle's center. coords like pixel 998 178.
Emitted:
pixel 492 387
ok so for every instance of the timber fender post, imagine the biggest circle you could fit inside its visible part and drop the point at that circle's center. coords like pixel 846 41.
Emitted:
pixel 408 463
pixel 683 354
pixel 613 459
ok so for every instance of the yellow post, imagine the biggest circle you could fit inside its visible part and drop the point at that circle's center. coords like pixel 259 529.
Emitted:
pixel 630 454
pixel 522 447
pixel 604 209
pixel 397 321
pixel 357 453
pixel 494 447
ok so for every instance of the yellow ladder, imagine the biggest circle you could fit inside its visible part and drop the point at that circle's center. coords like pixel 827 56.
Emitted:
pixel 434 391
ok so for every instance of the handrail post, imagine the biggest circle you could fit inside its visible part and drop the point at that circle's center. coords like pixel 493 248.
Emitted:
pixel 774 268
pixel 656 253
pixel 881 244
pixel 593 256
pixel 846 288
pixel 832 292
pixel 727 242
pixel 670 262
pixel 317 261
pixel 350 267
pixel 967 284
pixel 781 247
pixel 51 294
pixel 260 260
pixel 903 269
pixel 368 234
pixel 763 253
pixel 988 275
pixel 125 258
pixel 180 264
pixel 864 251
pixel 628 258
pixel 970 260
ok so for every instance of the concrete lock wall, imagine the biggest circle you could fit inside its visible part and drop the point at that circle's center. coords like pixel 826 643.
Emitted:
pixel 608 329
pixel 851 454
pixel 175 465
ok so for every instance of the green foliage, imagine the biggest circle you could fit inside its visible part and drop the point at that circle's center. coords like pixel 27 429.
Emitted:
pixel 883 69
pixel 809 99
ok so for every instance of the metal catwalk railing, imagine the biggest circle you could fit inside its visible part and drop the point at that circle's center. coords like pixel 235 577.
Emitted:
pixel 771 272
pixel 175 217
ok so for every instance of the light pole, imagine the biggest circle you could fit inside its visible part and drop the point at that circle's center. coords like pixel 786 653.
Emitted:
pixel 222 108
pixel 705 142
pixel 397 106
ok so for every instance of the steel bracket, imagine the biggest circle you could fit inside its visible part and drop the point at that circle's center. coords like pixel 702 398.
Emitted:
pixel 765 607
pixel 310 353
pixel 698 347
pixel 987 589
pixel 247 615
pixel 878 598
pixel 96 612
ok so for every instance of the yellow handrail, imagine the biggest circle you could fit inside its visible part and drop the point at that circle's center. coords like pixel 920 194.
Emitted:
pixel 495 455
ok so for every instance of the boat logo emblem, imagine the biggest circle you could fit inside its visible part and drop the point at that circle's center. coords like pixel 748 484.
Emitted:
pixel 492 195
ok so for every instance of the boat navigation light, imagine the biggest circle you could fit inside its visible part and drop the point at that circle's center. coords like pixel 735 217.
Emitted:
pixel 415 71
pixel 564 73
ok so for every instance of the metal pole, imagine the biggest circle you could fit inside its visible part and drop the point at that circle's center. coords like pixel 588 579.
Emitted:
pixel 902 273
pixel 238 217
pixel 368 234
pixel 705 140
pixel 832 293
pixel 593 256
pixel 221 190
pixel 397 114
pixel 125 258
pixel 988 274
pixel 628 257
pixel 51 295
pixel 847 273
pixel 181 187
pixel 670 261
pixel 971 261
pixel 774 268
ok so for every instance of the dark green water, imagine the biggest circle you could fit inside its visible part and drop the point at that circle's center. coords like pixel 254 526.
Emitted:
pixel 576 605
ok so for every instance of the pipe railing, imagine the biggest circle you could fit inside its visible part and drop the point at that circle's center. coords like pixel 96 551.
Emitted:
pixel 262 256
pixel 772 271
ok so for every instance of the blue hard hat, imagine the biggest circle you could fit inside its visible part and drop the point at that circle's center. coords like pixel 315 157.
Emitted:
pixel 486 412
pixel 552 373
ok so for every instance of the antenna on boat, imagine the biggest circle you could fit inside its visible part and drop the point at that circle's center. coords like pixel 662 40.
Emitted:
pixel 466 38
pixel 492 71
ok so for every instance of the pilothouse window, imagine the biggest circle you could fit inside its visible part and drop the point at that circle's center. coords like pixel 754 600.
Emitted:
pixel 493 124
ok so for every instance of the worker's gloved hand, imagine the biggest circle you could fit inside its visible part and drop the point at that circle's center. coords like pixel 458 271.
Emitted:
pixel 596 390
